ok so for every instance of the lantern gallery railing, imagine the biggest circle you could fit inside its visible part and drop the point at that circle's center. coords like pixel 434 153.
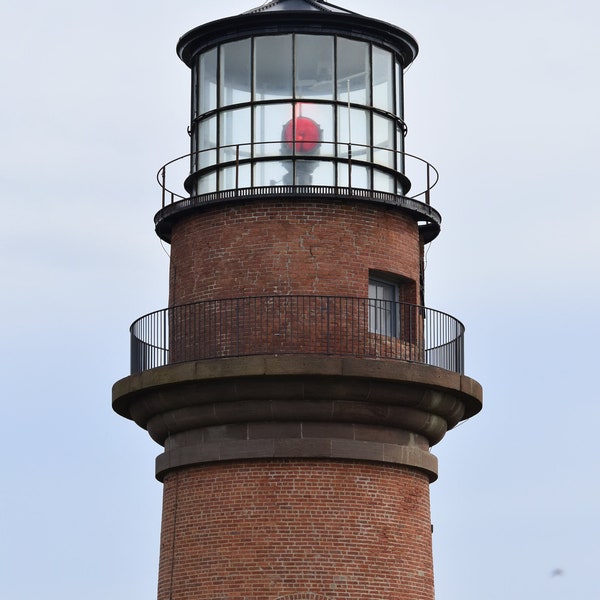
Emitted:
pixel 283 164
pixel 322 325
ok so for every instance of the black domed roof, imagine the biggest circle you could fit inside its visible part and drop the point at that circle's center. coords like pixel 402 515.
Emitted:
pixel 312 5
pixel 276 17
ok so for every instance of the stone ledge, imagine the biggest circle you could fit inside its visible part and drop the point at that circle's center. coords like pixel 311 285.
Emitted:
pixel 297 448
pixel 468 390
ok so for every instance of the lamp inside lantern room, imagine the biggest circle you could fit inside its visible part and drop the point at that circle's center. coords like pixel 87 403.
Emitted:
pixel 301 136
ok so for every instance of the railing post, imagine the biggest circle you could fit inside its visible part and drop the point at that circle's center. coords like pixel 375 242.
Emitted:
pixel 328 326
pixel 237 323
pixel 132 353
pixel 460 360
pixel 349 166
pixel 163 175
pixel 237 167
pixel 427 199
pixel 165 335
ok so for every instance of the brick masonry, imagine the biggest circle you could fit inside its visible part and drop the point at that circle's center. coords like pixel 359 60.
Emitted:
pixel 269 529
pixel 295 247
pixel 342 523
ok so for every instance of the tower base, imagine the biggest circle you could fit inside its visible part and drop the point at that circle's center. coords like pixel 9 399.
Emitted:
pixel 286 528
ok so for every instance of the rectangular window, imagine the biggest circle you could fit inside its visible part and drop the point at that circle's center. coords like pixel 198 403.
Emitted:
pixel 383 307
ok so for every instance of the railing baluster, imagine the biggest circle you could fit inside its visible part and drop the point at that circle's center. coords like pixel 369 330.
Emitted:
pixel 237 167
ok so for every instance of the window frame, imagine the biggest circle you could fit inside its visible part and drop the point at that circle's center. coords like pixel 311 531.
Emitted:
pixel 384 317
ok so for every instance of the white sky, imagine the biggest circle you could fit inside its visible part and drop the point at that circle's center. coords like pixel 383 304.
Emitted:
pixel 503 99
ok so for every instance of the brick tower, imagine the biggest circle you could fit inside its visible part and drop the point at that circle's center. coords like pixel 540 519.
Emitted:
pixel 296 381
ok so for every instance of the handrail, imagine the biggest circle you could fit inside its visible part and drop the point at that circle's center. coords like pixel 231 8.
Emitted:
pixel 346 153
pixel 323 325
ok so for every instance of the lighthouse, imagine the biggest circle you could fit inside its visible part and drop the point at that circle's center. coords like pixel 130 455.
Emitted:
pixel 296 382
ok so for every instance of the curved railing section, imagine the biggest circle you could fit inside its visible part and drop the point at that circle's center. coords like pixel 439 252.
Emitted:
pixel 322 325
pixel 273 165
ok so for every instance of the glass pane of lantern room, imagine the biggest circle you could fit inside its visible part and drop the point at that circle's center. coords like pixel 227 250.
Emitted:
pixel 322 115
pixel 383 182
pixel 273 67
pixel 323 173
pixel 356 130
pixel 273 173
pixel 383 141
pixel 234 130
pixel 206 184
pixel 399 92
pixel 234 177
pixel 207 135
pixel 314 66
pixel 353 71
pixel 235 72
pixel 208 81
pixel 355 176
pixel 383 80
pixel 269 122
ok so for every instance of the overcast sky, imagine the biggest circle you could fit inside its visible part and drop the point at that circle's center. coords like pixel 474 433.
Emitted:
pixel 503 99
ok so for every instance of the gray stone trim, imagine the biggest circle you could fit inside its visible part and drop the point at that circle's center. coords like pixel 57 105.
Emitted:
pixel 308 406
pixel 297 448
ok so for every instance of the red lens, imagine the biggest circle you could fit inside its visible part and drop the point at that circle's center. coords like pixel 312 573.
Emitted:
pixel 304 132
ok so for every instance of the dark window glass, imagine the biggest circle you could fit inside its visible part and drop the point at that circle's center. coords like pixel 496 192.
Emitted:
pixel 383 307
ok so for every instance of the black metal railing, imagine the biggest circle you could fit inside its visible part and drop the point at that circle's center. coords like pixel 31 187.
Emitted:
pixel 324 325
pixel 420 175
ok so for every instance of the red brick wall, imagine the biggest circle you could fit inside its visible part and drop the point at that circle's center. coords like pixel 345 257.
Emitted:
pixel 267 248
pixel 263 529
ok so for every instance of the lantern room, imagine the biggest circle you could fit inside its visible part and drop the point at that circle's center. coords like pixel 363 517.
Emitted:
pixel 297 93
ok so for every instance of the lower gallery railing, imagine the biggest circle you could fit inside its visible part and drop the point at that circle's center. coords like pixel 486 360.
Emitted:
pixel 323 325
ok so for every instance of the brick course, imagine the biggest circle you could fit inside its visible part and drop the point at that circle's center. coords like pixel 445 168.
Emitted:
pixel 295 247
pixel 265 529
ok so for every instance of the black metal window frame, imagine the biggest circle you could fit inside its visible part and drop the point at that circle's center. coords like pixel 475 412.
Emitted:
pixel 396 142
